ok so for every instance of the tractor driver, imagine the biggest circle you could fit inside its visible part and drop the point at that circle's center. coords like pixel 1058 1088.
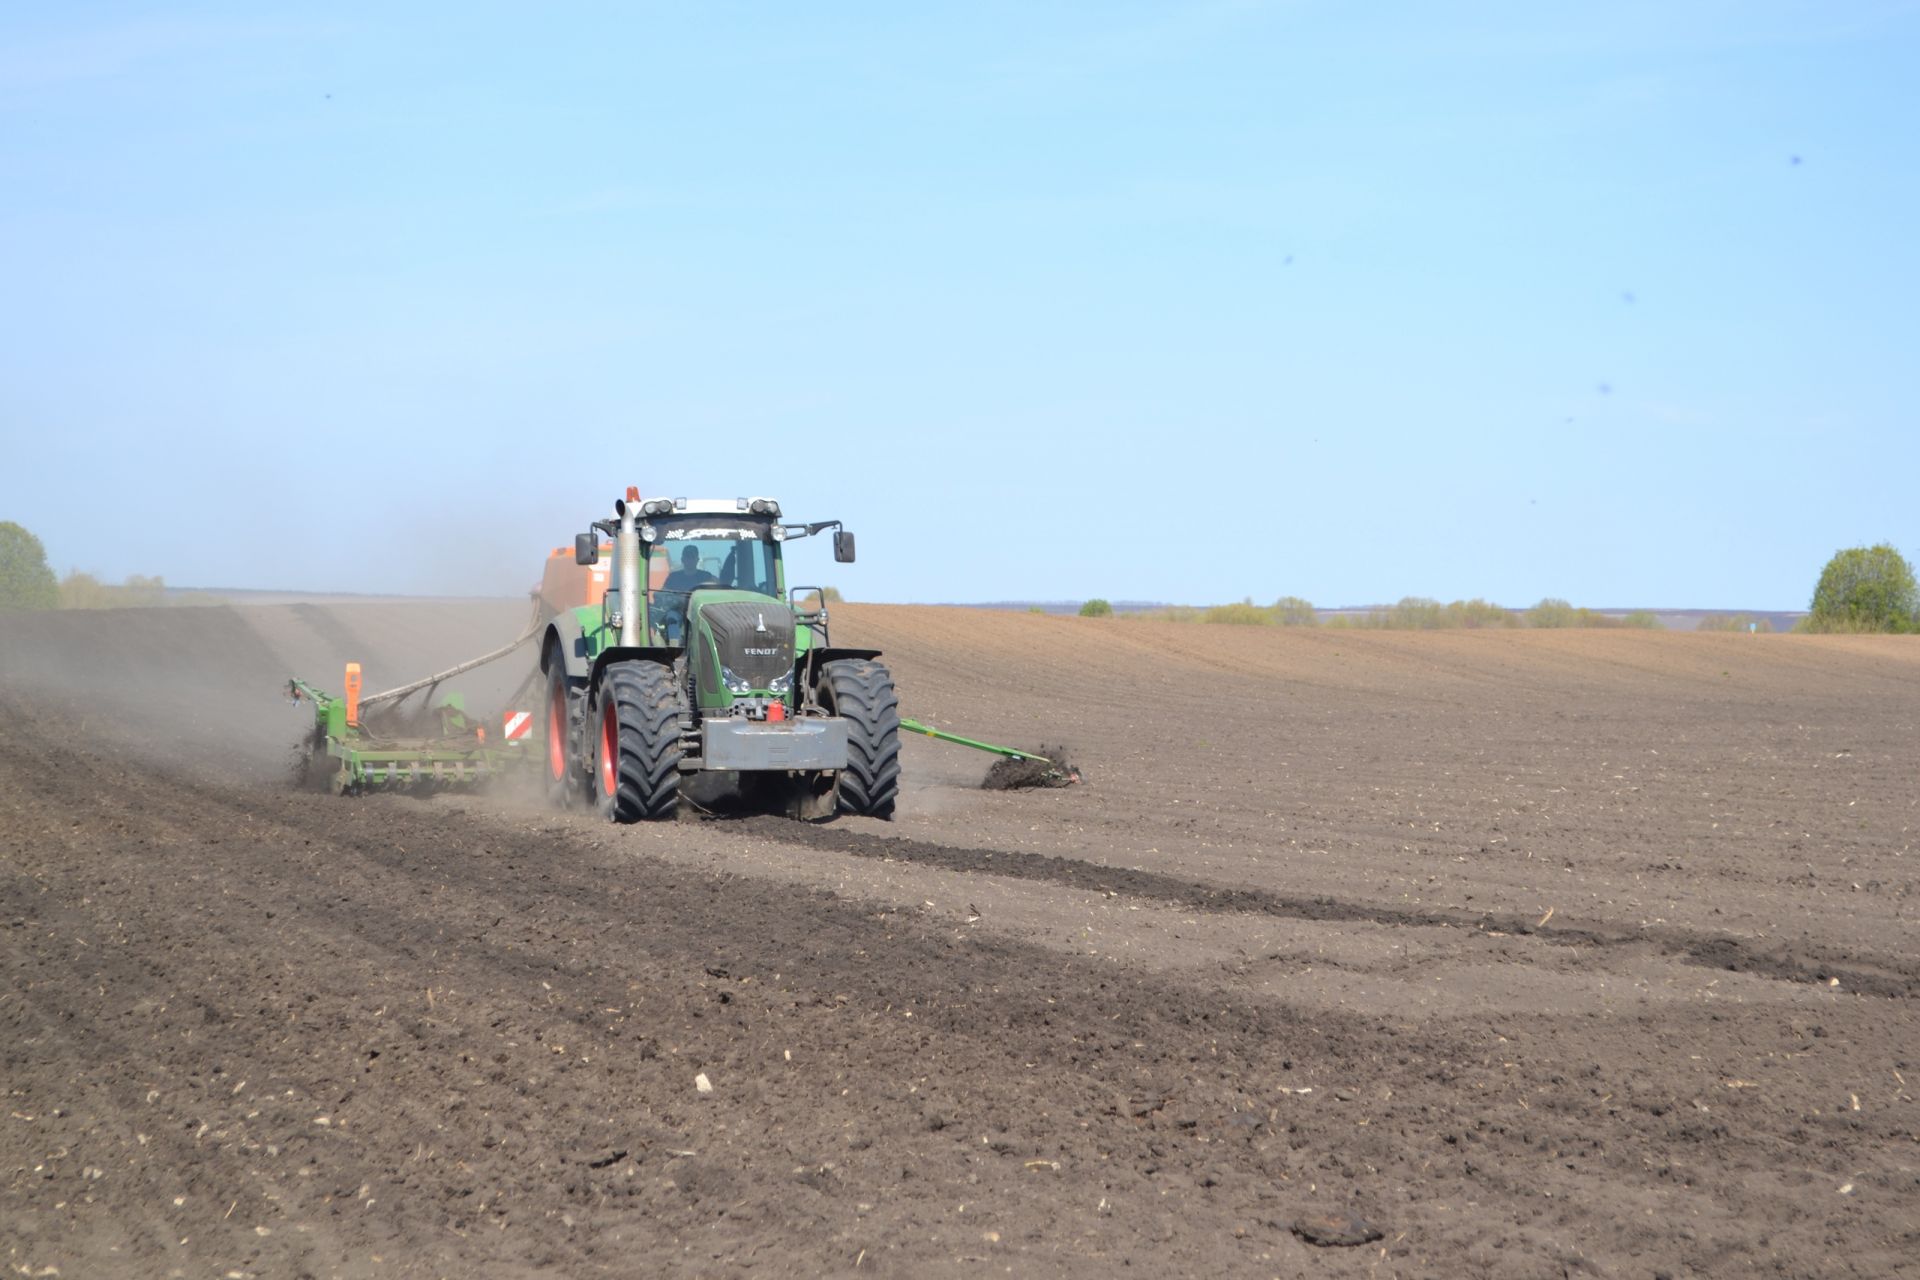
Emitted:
pixel 689 575
pixel 675 595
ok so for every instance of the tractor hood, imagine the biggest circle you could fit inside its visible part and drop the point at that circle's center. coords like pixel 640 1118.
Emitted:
pixel 742 642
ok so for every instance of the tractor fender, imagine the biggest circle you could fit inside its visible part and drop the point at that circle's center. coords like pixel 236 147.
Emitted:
pixel 662 654
pixel 564 637
pixel 811 660
pixel 829 653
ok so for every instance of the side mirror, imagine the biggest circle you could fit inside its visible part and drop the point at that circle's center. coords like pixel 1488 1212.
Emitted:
pixel 843 546
pixel 586 548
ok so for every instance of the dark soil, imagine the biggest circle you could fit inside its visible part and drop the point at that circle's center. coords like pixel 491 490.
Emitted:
pixel 1495 956
pixel 1014 773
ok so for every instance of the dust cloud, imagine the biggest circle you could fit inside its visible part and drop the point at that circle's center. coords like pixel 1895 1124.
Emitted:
pixel 203 690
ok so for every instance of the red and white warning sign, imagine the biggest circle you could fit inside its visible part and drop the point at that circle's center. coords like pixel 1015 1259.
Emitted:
pixel 516 725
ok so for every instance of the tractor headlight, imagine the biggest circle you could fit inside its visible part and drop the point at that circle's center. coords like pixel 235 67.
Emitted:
pixel 778 533
pixel 733 682
pixel 656 506
pixel 648 533
pixel 780 683
pixel 764 507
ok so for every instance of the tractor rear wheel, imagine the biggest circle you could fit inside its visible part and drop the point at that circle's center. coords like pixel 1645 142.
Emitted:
pixel 559 769
pixel 860 691
pixel 636 737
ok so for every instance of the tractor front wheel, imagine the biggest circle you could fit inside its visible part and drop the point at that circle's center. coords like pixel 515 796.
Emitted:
pixel 636 743
pixel 860 691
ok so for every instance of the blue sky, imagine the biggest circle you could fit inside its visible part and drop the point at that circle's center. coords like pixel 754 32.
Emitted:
pixel 1184 302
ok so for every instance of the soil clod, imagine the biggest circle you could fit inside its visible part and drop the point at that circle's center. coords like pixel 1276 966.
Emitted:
pixel 1014 773
pixel 1335 1230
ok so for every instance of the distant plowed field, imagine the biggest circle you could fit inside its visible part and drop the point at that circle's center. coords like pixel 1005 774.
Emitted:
pixel 1543 953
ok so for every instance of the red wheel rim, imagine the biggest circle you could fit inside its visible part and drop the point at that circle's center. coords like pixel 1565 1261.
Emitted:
pixel 609 748
pixel 557 732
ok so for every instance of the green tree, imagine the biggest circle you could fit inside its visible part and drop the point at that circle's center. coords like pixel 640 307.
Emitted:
pixel 1733 622
pixel 1866 589
pixel 1478 613
pixel 25 580
pixel 1292 611
pixel 84 591
pixel 813 600
pixel 1096 608
pixel 1246 613
pixel 1553 612
pixel 1416 613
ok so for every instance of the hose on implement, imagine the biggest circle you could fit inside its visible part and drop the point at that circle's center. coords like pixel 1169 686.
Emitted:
pixel 428 682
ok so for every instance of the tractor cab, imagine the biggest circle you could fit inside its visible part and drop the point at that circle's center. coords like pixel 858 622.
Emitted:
pixel 697 553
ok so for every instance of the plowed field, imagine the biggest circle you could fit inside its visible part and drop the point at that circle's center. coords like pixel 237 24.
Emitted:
pixel 1545 954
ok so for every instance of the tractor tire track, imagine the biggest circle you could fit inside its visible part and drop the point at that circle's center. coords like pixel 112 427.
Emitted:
pixel 1888 977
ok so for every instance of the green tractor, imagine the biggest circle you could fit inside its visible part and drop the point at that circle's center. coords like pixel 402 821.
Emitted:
pixel 697 658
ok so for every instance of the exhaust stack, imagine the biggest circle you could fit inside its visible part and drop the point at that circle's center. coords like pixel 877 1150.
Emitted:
pixel 627 548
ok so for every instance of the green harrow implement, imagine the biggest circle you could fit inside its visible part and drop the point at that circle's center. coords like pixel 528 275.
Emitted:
pixel 443 747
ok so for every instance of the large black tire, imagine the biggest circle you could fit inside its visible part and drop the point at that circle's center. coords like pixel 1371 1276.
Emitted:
pixel 860 691
pixel 559 770
pixel 636 743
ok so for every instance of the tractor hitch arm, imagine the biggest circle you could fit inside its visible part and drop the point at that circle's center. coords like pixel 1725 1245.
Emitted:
pixel 914 726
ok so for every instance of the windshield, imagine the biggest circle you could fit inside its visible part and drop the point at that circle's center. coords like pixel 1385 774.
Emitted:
pixel 723 552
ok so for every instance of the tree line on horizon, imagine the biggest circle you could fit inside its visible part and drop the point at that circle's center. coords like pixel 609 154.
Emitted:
pixel 1861 590
pixel 1411 613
